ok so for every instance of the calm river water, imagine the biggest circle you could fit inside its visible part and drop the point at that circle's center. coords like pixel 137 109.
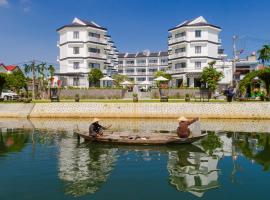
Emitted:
pixel 42 159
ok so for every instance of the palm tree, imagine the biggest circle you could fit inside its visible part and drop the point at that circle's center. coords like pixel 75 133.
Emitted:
pixel 264 54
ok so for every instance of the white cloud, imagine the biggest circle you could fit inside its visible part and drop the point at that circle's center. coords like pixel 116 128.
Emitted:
pixel 4 3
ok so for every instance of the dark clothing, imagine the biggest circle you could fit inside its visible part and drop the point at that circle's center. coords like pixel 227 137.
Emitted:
pixel 183 130
pixel 95 129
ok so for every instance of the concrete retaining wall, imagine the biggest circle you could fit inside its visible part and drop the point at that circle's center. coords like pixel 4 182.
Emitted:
pixel 244 110
pixel 15 109
pixel 92 93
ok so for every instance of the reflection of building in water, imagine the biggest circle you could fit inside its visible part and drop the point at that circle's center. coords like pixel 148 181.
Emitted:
pixel 84 168
pixel 193 171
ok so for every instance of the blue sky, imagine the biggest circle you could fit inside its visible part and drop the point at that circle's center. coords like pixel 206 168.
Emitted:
pixel 28 27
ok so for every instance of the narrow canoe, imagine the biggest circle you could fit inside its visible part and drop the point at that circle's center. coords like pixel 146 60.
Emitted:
pixel 150 139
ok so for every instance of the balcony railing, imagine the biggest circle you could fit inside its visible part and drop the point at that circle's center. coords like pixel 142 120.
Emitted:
pixel 177 55
pixel 175 40
pixel 100 40
pixel 130 64
pixel 97 55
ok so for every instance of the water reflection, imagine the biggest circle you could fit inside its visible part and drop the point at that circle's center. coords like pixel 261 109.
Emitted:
pixel 84 168
pixel 192 170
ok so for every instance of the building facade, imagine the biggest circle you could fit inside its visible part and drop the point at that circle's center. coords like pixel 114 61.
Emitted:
pixel 191 46
pixel 141 66
pixel 83 46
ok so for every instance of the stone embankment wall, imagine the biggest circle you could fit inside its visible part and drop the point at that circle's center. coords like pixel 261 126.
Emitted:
pixel 92 93
pixel 237 110
pixel 15 110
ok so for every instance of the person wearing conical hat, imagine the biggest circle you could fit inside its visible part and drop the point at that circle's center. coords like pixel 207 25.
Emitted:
pixel 95 129
pixel 183 130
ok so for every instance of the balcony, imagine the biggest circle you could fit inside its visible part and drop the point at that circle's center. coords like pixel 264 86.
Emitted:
pixel 130 64
pixel 97 55
pixel 99 40
pixel 177 55
pixel 175 40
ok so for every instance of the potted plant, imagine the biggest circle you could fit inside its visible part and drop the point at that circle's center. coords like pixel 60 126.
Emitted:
pixel 77 98
pixel 135 97
pixel 262 96
pixel 187 97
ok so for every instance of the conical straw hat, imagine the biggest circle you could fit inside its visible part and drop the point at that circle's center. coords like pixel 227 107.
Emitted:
pixel 95 120
pixel 182 119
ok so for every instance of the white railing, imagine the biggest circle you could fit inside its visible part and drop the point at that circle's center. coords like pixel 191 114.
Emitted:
pixel 177 55
pixel 130 64
pixel 179 39
pixel 94 39
pixel 97 55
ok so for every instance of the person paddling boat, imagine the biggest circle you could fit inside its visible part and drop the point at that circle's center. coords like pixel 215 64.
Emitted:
pixel 183 130
pixel 95 129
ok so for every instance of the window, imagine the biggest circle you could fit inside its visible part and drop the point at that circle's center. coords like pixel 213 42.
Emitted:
pixel 130 61
pixel 93 50
pixel 180 65
pixel 198 33
pixel 141 79
pixel 198 49
pixel 120 71
pixel 94 65
pixel 152 69
pixel 153 61
pixel 143 70
pixel 90 34
pixel 76 50
pixel 76 81
pixel 164 61
pixel 76 35
pixel 120 62
pixel 76 65
pixel 198 65
pixel 131 79
pixel 180 50
pixel 141 61
pixel 150 78
pixel 129 71
pixel 182 34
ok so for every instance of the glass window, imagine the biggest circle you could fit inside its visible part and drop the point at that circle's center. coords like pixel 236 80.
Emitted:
pixel 76 65
pixel 141 61
pixel 198 49
pixel 120 62
pixel 180 50
pixel 76 50
pixel 152 69
pixel 131 79
pixel 163 61
pixel 152 60
pixel 76 35
pixel 142 70
pixel 93 50
pixel 90 34
pixel 180 65
pixel 182 34
pixel 141 79
pixel 198 33
pixel 130 61
pixel 150 78
pixel 94 65
pixel 130 71
pixel 198 65
pixel 76 81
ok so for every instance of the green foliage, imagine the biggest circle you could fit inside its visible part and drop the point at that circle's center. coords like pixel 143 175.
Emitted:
pixel 164 74
pixel 2 81
pixel 264 54
pixel 263 75
pixel 16 80
pixel 94 76
pixel 211 142
pixel 118 78
pixel 211 76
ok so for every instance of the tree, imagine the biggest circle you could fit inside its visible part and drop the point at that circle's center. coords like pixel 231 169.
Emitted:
pixel 264 54
pixel 211 76
pixel 94 76
pixel 118 78
pixel 16 81
pixel 163 74
pixel 263 75
pixel 2 81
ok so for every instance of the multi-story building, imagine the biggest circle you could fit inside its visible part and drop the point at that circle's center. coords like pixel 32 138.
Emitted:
pixel 141 66
pixel 84 46
pixel 191 46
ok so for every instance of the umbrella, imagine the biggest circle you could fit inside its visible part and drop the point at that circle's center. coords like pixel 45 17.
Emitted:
pixel 161 78
pixel 106 78
pixel 145 83
pixel 126 83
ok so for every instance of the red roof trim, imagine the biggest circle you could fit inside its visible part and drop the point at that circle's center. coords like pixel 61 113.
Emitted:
pixel 10 67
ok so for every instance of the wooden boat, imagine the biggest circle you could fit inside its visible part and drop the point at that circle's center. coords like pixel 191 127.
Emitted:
pixel 149 139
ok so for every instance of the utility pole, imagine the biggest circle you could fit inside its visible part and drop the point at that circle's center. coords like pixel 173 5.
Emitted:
pixel 34 81
pixel 234 38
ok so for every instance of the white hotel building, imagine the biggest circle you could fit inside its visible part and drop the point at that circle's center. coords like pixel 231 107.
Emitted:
pixel 191 46
pixel 84 46
pixel 142 66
